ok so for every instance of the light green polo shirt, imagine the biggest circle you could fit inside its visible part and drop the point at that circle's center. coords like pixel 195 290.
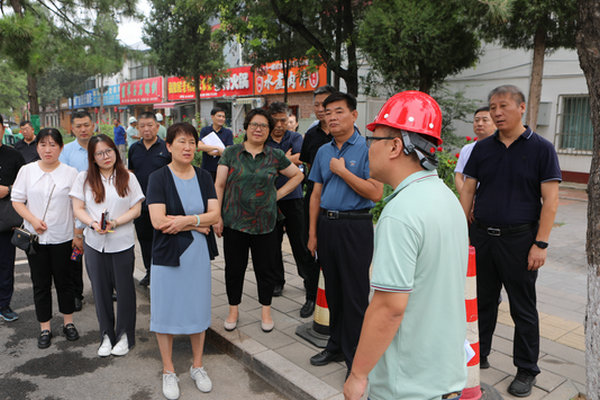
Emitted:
pixel 421 248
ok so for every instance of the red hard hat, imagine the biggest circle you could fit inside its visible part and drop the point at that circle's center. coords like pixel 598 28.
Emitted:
pixel 412 111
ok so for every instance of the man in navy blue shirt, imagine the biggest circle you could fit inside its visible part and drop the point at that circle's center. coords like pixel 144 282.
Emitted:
pixel 291 206
pixel 515 168
pixel 341 227
pixel 120 139
pixel 212 154
pixel 146 156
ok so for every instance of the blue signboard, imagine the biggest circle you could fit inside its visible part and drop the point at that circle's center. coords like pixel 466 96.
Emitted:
pixel 91 98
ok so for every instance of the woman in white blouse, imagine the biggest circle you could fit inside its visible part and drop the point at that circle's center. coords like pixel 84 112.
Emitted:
pixel 40 194
pixel 108 189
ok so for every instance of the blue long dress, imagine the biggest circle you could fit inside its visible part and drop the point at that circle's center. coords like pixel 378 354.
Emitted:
pixel 180 296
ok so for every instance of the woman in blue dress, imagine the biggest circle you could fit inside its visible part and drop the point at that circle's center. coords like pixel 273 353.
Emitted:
pixel 182 203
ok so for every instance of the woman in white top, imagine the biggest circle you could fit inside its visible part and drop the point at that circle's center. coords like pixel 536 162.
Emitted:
pixel 40 194
pixel 108 188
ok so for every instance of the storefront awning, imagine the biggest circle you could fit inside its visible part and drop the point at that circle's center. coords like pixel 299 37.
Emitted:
pixel 164 105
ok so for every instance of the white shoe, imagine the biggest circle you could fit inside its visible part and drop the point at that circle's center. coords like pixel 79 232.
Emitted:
pixel 121 348
pixel 203 382
pixel 105 347
pixel 170 386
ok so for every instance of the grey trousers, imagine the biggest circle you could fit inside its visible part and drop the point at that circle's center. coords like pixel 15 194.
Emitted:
pixel 108 272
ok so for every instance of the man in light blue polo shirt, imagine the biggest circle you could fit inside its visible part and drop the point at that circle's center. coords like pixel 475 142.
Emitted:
pixel 75 155
pixel 412 341
pixel 341 226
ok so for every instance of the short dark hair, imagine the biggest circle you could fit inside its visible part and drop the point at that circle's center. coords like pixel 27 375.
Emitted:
pixel 258 111
pixel 25 122
pixel 81 114
pixel 53 133
pixel 181 128
pixel 147 115
pixel 480 109
pixel 216 110
pixel 324 89
pixel 340 96
pixel 278 107
pixel 512 90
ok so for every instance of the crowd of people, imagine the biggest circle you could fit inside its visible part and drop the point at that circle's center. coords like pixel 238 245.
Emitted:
pixel 96 196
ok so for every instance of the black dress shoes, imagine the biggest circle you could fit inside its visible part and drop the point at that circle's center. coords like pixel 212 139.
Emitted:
pixel 325 357
pixel 70 332
pixel 277 290
pixel 44 339
pixel 307 309
pixel 145 281
pixel 522 384
pixel 484 363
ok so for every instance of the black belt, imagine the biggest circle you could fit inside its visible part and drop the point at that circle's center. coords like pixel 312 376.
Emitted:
pixel 356 214
pixel 505 230
pixel 453 395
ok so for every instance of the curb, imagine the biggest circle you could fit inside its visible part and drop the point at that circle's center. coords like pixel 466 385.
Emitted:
pixel 285 376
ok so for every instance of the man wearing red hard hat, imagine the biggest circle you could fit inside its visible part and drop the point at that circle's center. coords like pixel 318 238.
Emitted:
pixel 412 340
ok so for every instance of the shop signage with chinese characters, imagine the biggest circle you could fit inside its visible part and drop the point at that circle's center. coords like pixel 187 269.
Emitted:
pixel 269 78
pixel 143 91
pixel 238 83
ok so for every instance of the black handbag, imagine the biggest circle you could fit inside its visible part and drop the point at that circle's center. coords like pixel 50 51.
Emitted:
pixel 8 216
pixel 25 240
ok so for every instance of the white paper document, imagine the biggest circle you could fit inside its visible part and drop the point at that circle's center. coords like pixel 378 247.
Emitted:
pixel 213 140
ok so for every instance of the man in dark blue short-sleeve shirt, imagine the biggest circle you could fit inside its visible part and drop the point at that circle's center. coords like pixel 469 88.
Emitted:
pixel 515 169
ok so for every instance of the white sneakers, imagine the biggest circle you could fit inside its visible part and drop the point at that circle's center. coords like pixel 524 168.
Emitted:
pixel 105 347
pixel 170 386
pixel 121 348
pixel 203 382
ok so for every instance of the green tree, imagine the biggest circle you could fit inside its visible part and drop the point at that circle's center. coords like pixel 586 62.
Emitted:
pixel 588 49
pixel 417 44
pixel 13 87
pixel 538 25
pixel 182 43
pixel 263 36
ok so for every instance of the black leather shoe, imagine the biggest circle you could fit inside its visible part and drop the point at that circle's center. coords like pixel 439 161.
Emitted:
pixel 78 303
pixel 70 332
pixel 145 281
pixel 114 296
pixel 307 309
pixel 522 384
pixel 277 290
pixel 325 357
pixel 44 339
pixel 484 363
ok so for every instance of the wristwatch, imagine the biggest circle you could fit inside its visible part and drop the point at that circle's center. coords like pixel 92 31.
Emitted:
pixel 540 244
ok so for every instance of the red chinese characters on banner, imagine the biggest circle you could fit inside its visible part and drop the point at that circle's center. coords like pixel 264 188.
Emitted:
pixel 238 83
pixel 269 78
pixel 143 91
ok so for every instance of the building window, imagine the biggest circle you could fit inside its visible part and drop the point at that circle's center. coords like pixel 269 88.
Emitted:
pixel 575 133
pixel 142 72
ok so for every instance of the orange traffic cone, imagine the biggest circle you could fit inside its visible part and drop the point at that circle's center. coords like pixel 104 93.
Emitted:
pixel 317 332
pixel 473 389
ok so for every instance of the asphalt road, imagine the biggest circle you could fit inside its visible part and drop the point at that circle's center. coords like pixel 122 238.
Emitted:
pixel 72 370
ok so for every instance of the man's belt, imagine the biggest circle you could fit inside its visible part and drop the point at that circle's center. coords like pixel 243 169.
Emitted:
pixel 506 229
pixel 355 214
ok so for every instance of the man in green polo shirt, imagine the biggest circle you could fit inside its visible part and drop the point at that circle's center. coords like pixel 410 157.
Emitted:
pixel 413 335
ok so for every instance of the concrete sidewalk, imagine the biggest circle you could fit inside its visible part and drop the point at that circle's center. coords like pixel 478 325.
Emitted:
pixel 282 357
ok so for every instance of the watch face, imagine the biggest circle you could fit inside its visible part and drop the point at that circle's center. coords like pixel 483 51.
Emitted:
pixel 541 245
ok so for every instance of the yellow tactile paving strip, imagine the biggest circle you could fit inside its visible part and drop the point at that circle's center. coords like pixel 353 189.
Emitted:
pixel 552 327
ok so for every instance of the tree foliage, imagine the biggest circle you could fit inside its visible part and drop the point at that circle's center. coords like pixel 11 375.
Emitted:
pixel 417 44
pixel 182 42
pixel 13 87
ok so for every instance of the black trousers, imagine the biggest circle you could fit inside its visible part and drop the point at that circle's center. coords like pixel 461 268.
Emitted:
pixel 77 277
pixel 502 260
pixel 7 269
pixel 345 250
pixel 108 272
pixel 145 233
pixel 308 269
pixel 235 246
pixel 51 262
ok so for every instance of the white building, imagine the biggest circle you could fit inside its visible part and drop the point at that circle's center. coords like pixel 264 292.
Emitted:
pixel 564 116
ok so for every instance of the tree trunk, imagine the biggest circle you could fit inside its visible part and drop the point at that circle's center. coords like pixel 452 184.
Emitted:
pixel 537 73
pixel 197 115
pixel 101 92
pixel 588 49
pixel 285 64
pixel 34 105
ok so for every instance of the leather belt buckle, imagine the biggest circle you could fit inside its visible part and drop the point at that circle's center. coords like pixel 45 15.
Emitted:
pixel 493 231
pixel 333 214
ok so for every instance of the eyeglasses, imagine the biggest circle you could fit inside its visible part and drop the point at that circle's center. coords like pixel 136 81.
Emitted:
pixel 370 139
pixel 257 125
pixel 104 153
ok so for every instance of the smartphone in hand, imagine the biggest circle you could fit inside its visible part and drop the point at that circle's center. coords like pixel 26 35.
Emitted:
pixel 103 220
